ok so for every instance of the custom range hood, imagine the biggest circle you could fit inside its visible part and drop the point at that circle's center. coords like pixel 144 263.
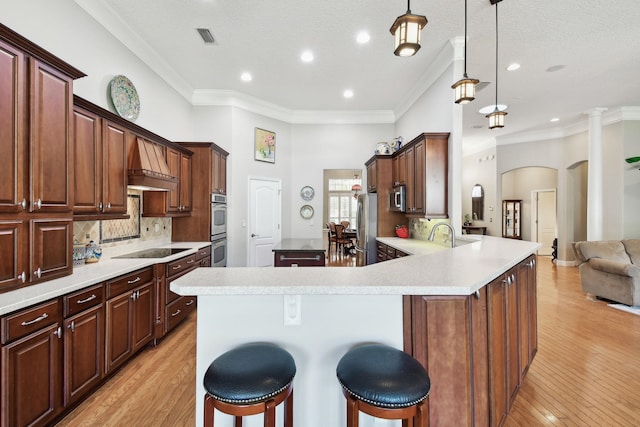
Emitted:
pixel 148 169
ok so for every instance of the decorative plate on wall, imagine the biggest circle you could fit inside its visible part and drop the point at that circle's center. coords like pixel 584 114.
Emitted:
pixel 307 193
pixel 306 212
pixel 125 98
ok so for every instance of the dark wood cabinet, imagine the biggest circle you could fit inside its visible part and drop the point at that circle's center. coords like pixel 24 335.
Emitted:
pixel 399 169
pixel 209 169
pixel 31 365
pixel 379 176
pixel 83 352
pixel 426 160
pixel 36 90
pixel 129 316
pixel 174 203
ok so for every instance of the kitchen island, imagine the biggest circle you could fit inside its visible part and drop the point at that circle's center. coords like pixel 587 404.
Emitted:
pixel 468 314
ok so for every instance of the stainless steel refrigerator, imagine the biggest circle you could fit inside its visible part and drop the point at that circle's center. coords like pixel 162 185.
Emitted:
pixel 366 226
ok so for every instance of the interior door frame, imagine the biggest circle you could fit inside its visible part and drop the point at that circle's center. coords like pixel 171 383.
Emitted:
pixel 250 209
pixel 535 233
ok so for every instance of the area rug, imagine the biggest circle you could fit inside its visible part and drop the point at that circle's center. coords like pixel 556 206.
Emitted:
pixel 630 309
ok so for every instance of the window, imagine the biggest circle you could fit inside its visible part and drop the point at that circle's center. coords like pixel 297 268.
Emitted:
pixel 342 203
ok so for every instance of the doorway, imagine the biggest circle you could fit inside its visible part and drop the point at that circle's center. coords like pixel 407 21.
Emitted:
pixel 543 219
pixel 265 207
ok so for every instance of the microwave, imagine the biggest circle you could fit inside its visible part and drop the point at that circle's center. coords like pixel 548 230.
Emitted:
pixel 398 199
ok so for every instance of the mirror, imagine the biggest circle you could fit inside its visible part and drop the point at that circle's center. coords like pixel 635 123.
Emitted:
pixel 477 202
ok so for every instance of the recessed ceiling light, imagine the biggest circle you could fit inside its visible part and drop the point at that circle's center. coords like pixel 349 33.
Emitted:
pixel 512 67
pixel 555 119
pixel 491 108
pixel 307 56
pixel 246 77
pixel 348 93
pixel 363 37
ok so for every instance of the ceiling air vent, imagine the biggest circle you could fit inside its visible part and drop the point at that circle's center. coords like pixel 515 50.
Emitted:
pixel 206 35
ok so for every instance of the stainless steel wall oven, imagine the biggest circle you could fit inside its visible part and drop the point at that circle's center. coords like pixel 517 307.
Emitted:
pixel 218 230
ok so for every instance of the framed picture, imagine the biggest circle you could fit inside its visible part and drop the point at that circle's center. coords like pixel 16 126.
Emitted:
pixel 265 146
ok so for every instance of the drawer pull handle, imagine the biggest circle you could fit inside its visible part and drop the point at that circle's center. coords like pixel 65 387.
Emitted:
pixel 22 277
pixel 176 267
pixel 23 204
pixel 191 261
pixel 38 273
pixel 36 320
pixel 91 298
pixel 285 258
pixel 189 303
pixel 136 280
pixel 176 313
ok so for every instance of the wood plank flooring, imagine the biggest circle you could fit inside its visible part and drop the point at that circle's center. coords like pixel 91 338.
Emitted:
pixel 586 372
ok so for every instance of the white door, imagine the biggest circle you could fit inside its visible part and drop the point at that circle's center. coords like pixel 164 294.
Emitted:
pixel 264 221
pixel 544 216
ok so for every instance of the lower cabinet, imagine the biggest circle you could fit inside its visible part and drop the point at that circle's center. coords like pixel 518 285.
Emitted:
pixel 476 348
pixel 31 366
pixel 129 316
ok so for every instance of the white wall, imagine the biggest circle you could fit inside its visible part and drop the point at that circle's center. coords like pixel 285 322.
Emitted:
pixel 631 186
pixel 480 168
pixel 320 147
pixel 65 30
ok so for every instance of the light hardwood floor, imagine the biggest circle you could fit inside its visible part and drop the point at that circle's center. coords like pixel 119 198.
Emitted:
pixel 586 372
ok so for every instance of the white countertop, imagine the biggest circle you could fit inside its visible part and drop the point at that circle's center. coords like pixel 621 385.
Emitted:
pixel 90 274
pixel 431 270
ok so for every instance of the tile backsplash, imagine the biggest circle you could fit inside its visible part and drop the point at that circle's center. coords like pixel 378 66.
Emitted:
pixel 113 233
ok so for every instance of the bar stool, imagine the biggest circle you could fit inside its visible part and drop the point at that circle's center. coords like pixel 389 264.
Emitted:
pixel 384 382
pixel 250 379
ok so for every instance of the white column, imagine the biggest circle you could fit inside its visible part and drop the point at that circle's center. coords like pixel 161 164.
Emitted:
pixel 595 175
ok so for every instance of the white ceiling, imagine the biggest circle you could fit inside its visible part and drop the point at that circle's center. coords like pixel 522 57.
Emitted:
pixel 597 43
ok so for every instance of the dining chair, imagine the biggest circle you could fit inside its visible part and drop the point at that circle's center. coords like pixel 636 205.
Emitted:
pixel 341 238
pixel 332 236
pixel 346 224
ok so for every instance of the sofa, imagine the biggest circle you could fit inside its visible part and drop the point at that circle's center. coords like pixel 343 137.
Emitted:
pixel 610 269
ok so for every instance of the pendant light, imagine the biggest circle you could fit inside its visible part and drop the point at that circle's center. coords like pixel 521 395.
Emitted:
pixel 406 29
pixel 356 187
pixel 496 118
pixel 465 88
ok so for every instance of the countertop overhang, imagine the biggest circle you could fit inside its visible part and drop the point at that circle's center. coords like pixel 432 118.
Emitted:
pixel 431 270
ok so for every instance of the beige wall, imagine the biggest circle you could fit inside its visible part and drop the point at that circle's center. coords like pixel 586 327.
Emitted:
pixel 480 168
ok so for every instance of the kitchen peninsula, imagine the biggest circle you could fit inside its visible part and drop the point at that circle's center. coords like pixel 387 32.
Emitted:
pixel 468 314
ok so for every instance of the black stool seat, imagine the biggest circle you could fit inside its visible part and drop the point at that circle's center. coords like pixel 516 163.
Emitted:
pixel 250 373
pixel 383 376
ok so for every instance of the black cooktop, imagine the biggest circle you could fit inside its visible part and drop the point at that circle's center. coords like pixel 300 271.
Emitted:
pixel 152 253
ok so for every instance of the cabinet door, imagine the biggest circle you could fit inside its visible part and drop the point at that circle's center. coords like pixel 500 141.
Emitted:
pixel 83 353
pixel 372 174
pixel 173 161
pixel 411 177
pixel 143 313
pixel 436 178
pixel 419 178
pixel 513 336
pixel 114 166
pixel 12 128
pixel 51 248
pixel 185 183
pixel 12 260
pixel 219 176
pixel 222 178
pixel 31 378
pixel 87 162
pixel 50 138
pixel 119 321
pixel 497 338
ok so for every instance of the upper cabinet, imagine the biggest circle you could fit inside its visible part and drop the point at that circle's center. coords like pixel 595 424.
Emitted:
pixel 100 178
pixel 174 202
pixel 219 178
pixel 36 190
pixel 423 166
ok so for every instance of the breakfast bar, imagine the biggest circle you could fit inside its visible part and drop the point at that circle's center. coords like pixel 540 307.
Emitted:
pixel 468 314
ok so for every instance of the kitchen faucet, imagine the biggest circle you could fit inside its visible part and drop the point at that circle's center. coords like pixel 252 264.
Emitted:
pixel 453 233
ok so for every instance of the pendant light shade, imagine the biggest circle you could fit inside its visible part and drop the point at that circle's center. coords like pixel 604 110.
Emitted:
pixel 406 30
pixel 496 118
pixel 465 88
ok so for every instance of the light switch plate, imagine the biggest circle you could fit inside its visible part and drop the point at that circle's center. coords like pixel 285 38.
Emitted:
pixel 292 310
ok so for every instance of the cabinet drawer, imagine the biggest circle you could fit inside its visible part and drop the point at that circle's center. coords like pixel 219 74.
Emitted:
pixel 182 265
pixel 29 320
pixel 178 310
pixel 381 247
pixel 391 252
pixel 78 301
pixel 299 259
pixel 400 254
pixel 203 253
pixel 381 256
pixel 129 281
